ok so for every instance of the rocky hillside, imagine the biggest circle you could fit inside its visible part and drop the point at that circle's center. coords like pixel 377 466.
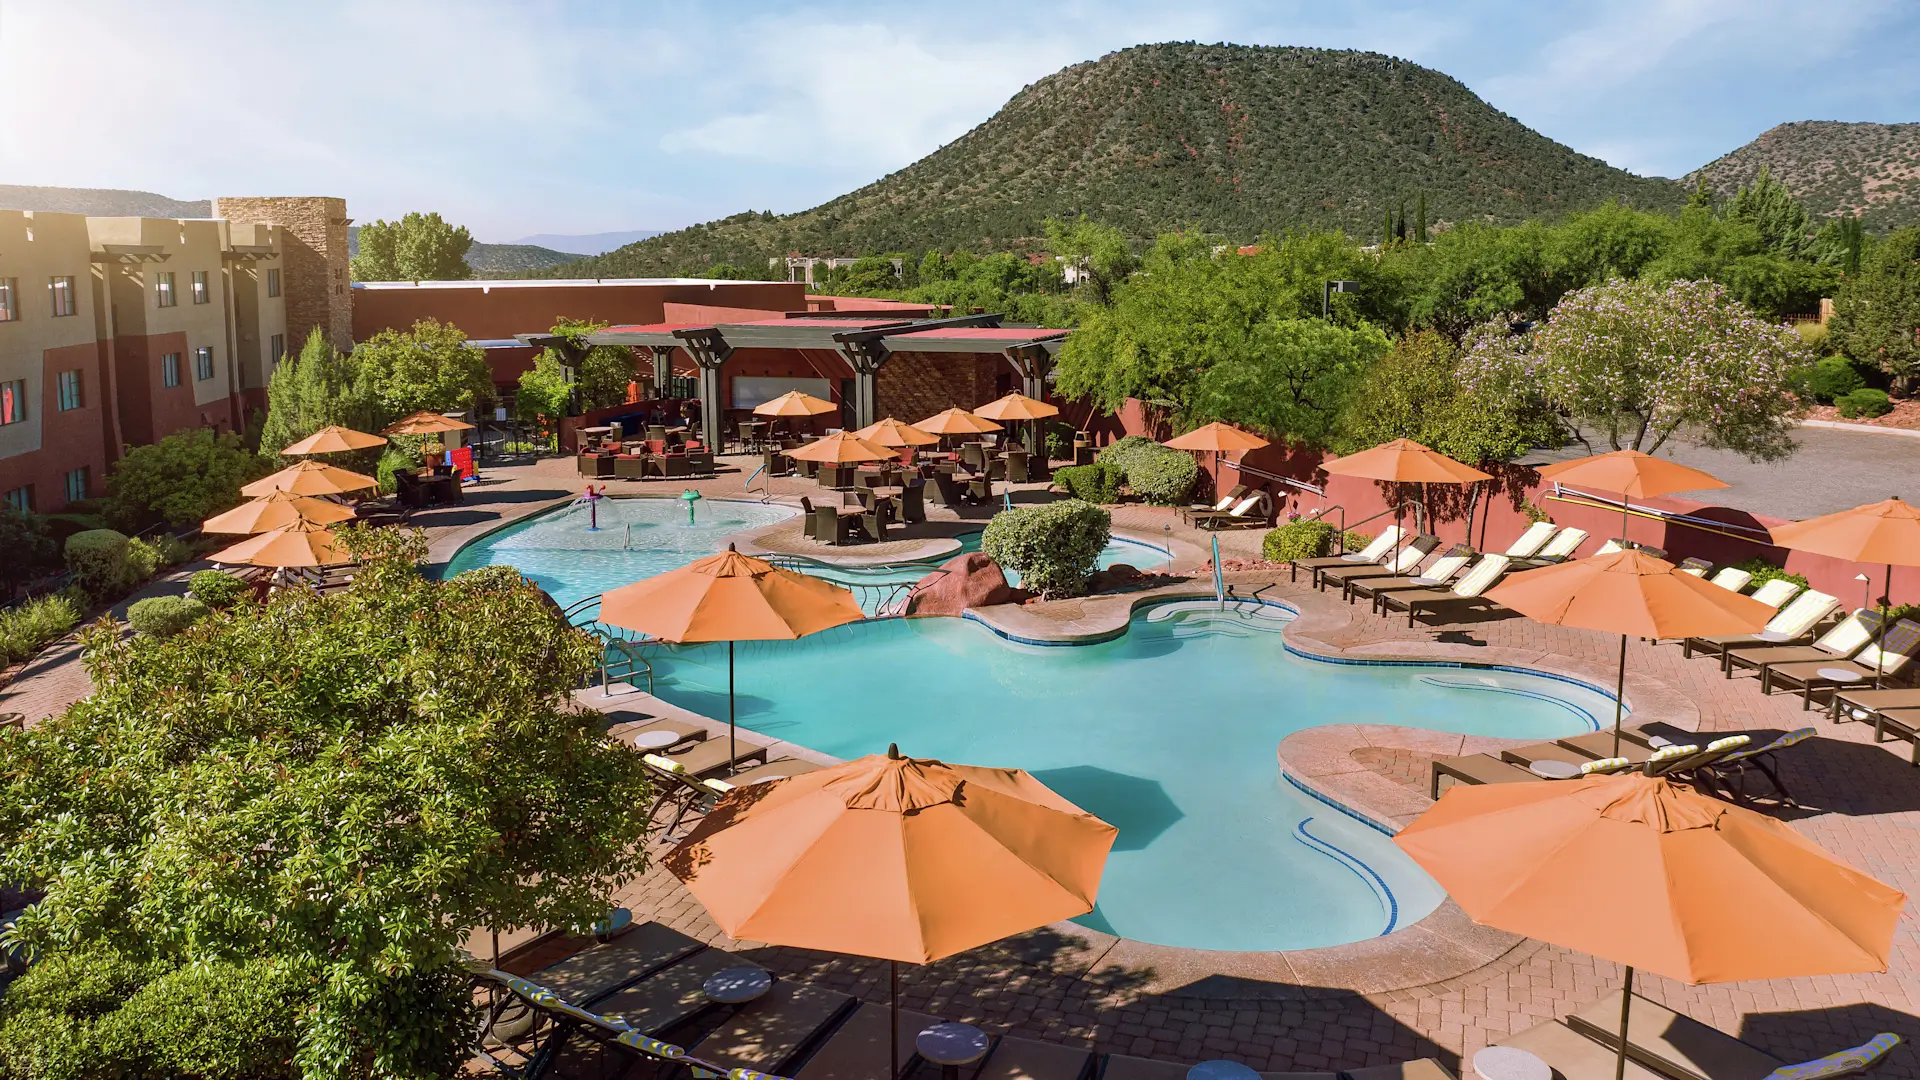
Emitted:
pixel 1228 138
pixel 1832 168
pixel 100 202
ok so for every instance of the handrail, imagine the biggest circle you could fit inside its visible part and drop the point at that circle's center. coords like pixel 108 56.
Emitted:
pixel 1265 475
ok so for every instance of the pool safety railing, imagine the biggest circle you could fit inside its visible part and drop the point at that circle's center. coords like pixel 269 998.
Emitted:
pixel 880 599
pixel 1219 578
pixel 621 659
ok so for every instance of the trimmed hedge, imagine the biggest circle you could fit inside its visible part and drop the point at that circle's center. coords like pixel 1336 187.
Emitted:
pixel 165 616
pixel 1833 378
pixel 1306 539
pixel 102 563
pixel 1865 402
pixel 1054 548
pixel 1161 476
pixel 216 588
pixel 1095 483
pixel 1764 571
pixel 1122 453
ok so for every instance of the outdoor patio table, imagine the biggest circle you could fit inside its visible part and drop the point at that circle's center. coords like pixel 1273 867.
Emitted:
pixel 952 1045
pixel 1221 1069
pixel 655 740
pixel 1509 1063
pixel 1548 769
pixel 1839 675
pixel 737 985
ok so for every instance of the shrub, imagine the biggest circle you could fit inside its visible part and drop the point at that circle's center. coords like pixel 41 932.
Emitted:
pixel 183 478
pixel 1298 540
pixel 216 588
pixel 101 563
pixel 1833 378
pixel 1764 571
pixel 1865 402
pixel 1164 479
pixel 1124 452
pixel 1059 441
pixel 1535 514
pixel 1054 548
pixel 173 550
pixel 144 558
pixel 32 626
pixel 1096 483
pixel 29 546
pixel 394 460
pixel 165 616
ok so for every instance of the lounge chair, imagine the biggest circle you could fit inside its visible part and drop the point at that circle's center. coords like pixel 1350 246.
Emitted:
pixel 626 732
pixel 1890 656
pixel 1476 769
pixel 1255 511
pixel 772 770
pixel 1233 495
pixel 1851 635
pixel 1729 774
pixel 858 1049
pixel 1557 550
pixel 1605 766
pixel 1467 590
pixel 1776 593
pixel 602 970
pixel 1794 622
pixel 1693 767
pixel 913 501
pixel 1862 704
pixel 1573 1056
pixel 712 755
pixel 1732 577
pixel 670 997
pixel 1524 756
pixel 1375 551
pixel 1902 724
pixel 1529 543
pixel 679 790
pixel 1402 562
pixel 1014 1058
pixel 1437 574
pixel 1696 566
pixel 774 1029
pixel 1599 745
pixel 1673 1045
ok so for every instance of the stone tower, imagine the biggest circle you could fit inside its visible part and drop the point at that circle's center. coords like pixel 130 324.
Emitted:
pixel 317 289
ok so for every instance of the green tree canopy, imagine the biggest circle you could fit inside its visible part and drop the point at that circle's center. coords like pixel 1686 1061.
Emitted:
pixel 1416 392
pixel 418 247
pixel 1876 316
pixel 1642 362
pixel 343 784
pixel 1099 252
pixel 182 479
pixel 1783 224
pixel 1290 378
pixel 600 372
pixel 307 392
pixel 428 367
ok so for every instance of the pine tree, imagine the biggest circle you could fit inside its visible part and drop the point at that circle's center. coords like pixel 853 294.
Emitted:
pixel 1400 221
pixel 309 391
pixel 1702 197
pixel 1386 228
pixel 1420 219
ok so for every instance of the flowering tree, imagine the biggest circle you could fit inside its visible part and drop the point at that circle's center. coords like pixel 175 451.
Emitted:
pixel 1643 362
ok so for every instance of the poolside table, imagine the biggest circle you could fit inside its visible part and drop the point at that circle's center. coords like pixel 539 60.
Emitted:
pixel 1549 769
pixel 655 740
pixel 737 985
pixel 952 1045
pixel 1510 1063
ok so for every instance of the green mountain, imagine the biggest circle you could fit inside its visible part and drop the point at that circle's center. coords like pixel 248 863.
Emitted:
pixel 512 260
pixel 99 202
pixel 1232 139
pixel 1833 168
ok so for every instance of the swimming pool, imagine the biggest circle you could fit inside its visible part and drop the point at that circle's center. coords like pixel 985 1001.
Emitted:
pixel 1168 732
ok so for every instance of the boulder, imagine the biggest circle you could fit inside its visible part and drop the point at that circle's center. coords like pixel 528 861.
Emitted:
pixel 962 582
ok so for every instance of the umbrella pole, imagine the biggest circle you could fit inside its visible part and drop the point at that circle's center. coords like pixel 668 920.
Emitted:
pixel 893 1018
pixel 1886 597
pixel 1619 695
pixel 1623 519
pixel 733 751
pixel 1626 1005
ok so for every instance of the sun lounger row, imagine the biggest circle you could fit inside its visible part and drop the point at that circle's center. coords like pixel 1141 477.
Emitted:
pixel 1850 654
pixel 1665 1045
pixel 641 999
pixel 1724 766
pixel 697 768
pixel 1389 572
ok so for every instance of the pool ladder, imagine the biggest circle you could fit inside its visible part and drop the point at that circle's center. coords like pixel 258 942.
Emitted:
pixel 620 656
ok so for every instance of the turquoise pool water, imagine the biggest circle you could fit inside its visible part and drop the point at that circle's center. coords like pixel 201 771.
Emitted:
pixel 1168 732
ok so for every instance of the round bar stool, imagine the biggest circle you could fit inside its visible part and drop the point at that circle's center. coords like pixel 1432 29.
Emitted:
pixel 951 1046
pixel 737 985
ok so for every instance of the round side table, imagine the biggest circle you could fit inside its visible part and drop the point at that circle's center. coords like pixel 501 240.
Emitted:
pixel 737 985
pixel 655 740
pixel 951 1046
pixel 1548 769
pixel 1221 1069
pixel 1509 1063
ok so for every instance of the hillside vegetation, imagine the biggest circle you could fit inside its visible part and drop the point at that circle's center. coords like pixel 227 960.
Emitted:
pixel 100 202
pixel 1832 168
pixel 1231 139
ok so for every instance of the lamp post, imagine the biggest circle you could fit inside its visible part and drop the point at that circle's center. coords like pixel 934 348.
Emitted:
pixel 1331 287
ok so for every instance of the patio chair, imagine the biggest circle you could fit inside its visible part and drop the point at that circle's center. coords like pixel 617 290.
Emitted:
pixel 630 466
pixel 858 1049
pixel 1890 657
pixel 1017 472
pixel 676 465
pixel 808 525
pixel 1693 767
pixel 874 521
pixel 1729 774
pixel 831 525
pixel 1529 543
pixel 1466 591
pixel 1255 511
pixel 1732 578
pixel 946 489
pixel 1375 551
pixel 1671 1044
pixel 1225 503
pixel 700 462
pixel 1846 638
pixel 1402 562
pixel 1557 550
pixel 1438 573
pixel 1794 623
pixel 1476 769
pixel 979 489
pixel 712 755
pixel 604 969
pixel 680 791
pixel 913 502
pixel 1696 566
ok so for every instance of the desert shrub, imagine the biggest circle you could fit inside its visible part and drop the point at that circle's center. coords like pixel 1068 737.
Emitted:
pixel 1164 479
pixel 145 559
pixel 165 616
pixel 1865 402
pixel 27 629
pixel 102 564
pixel 394 460
pixel 1298 540
pixel 1124 452
pixel 1095 483
pixel 1054 548
pixel 1764 571
pixel 1833 378
pixel 1535 514
pixel 173 550
pixel 216 588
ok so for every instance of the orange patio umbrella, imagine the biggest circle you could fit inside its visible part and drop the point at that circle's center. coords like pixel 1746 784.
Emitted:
pixel 333 439
pixel 905 859
pixel 729 597
pixel 1631 594
pixel 957 421
pixel 1884 532
pixel 303 543
pixel 838 448
pixel 1217 438
pixel 1018 406
pixel 1404 461
pixel 1631 473
pixel 794 403
pixel 310 478
pixel 1652 876
pixel 276 511
pixel 425 422
pixel 891 432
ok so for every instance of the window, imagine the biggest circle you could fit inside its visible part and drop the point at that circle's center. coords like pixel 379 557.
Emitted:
pixel 9 307
pixel 203 363
pixel 77 484
pixel 13 401
pixel 69 390
pixel 65 300
pixel 273 282
pixel 20 498
pixel 163 289
pixel 276 348
pixel 170 369
pixel 200 293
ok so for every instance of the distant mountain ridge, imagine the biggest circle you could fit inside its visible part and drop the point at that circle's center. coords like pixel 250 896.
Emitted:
pixel 1232 139
pixel 494 260
pixel 100 202
pixel 1833 168
pixel 587 243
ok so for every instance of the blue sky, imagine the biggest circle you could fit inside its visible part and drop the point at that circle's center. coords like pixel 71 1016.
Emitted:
pixel 516 118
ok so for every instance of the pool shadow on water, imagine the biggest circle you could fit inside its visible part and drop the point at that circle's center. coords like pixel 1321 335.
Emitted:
pixel 1140 808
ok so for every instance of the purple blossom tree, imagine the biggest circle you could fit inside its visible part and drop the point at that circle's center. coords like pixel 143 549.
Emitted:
pixel 1640 362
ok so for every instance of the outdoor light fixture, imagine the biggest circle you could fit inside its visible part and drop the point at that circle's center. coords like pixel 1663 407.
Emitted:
pixel 1332 287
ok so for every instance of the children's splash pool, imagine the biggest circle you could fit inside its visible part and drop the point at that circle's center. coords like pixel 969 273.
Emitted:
pixel 1169 732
